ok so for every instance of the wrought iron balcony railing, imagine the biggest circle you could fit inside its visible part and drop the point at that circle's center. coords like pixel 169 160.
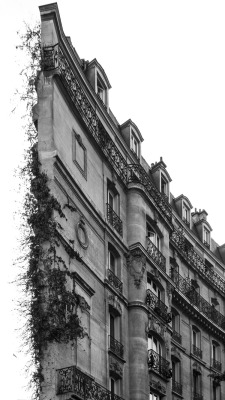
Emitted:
pixel 114 220
pixel 115 346
pixel 185 286
pixel 54 58
pixel 177 337
pixel 158 306
pixel 136 173
pixel 72 380
pixel 195 260
pixel 197 396
pixel 159 364
pixel 196 351
pixel 216 364
pixel 156 255
pixel 177 387
pixel 114 281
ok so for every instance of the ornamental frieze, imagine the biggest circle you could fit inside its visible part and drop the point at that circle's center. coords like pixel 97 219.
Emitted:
pixel 136 263
pixel 156 326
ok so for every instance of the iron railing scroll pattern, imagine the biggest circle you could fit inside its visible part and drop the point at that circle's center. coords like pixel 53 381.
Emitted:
pixel 115 281
pixel 159 364
pixel 177 387
pixel 156 255
pixel 158 306
pixel 195 260
pixel 196 351
pixel 216 365
pixel 185 286
pixel 114 220
pixel 115 346
pixel 72 380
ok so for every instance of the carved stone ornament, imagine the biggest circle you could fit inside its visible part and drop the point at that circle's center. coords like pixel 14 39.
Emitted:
pixel 115 368
pixel 136 266
pixel 175 352
pixel 197 368
pixel 157 386
pixel 155 325
pixel 84 306
pixel 156 217
pixel 81 233
pixel 154 273
pixel 114 302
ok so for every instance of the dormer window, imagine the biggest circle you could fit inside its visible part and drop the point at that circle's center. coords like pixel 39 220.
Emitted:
pixel 206 237
pixel 134 143
pixel 186 214
pixel 164 186
pixel 101 89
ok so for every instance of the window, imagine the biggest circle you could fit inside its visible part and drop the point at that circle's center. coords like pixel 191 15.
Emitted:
pixel 114 334
pixel 216 356
pixel 196 342
pixel 154 288
pixel 176 326
pixel 206 237
pixel 113 208
pixel 196 383
pixel 164 186
pixel 79 154
pixel 114 270
pixel 186 214
pixel 153 344
pixel 153 396
pixel 153 236
pixel 101 89
pixel 176 374
pixel 134 143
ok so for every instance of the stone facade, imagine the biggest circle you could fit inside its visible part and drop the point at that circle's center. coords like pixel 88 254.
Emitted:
pixel 151 282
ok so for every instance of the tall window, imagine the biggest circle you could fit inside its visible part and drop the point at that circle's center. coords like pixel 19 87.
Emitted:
pixel 113 260
pixel 153 236
pixel 196 342
pixel 154 288
pixel 176 326
pixel 196 383
pixel 101 89
pixel 164 186
pixel 206 236
pixel 186 214
pixel 154 344
pixel 216 356
pixel 134 145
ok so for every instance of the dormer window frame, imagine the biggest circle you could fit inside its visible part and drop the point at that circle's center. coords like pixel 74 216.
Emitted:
pixel 186 213
pixel 134 143
pixel 164 185
pixel 206 236
pixel 101 88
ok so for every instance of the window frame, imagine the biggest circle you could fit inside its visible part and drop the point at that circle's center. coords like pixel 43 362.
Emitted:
pixel 134 143
pixel 77 140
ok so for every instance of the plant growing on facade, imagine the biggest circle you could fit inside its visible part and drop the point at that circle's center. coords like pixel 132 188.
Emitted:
pixel 48 304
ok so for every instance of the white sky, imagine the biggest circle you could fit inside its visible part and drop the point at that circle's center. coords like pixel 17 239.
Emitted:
pixel 165 61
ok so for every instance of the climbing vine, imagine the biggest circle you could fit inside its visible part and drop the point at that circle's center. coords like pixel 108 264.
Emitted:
pixel 48 304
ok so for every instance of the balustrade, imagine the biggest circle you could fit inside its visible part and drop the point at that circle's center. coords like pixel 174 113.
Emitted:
pixel 115 346
pixel 159 364
pixel 177 387
pixel 197 262
pixel 216 364
pixel 197 396
pixel 156 255
pixel 73 380
pixel 114 220
pixel 158 306
pixel 177 337
pixel 114 281
pixel 196 351
pixel 186 287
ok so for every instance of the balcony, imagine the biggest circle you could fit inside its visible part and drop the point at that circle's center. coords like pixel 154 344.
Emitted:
pixel 72 380
pixel 158 306
pixel 185 286
pixel 115 346
pixel 156 255
pixel 114 220
pixel 192 258
pixel 216 365
pixel 159 364
pixel 176 387
pixel 114 281
pixel 196 351
pixel 197 396
pixel 177 337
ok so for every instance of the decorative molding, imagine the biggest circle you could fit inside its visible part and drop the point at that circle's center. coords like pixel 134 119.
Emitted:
pixel 137 264
pixel 175 352
pixel 80 228
pixel 197 367
pixel 155 325
pixel 114 302
pixel 115 368
pixel 82 283
pixel 158 387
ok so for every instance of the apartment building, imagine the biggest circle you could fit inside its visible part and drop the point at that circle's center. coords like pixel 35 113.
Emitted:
pixel 151 280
